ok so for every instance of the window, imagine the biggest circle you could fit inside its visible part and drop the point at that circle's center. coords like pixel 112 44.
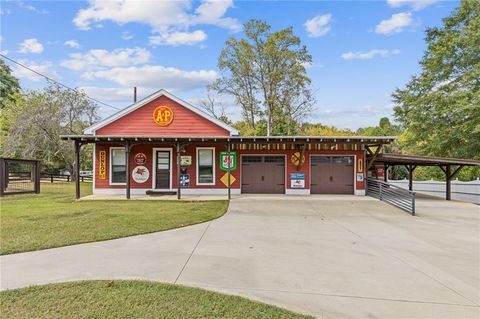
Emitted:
pixel 205 166
pixel 117 166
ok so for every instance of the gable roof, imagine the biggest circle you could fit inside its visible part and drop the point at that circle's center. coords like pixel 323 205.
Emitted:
pixel 92 129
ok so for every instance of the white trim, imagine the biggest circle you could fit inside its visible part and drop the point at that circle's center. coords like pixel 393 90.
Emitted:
pixel 266 154
pixel 94 164
pixel 360 192
pixel 92 129
pixel 335 155
pixel 296 191
pixel 214 160
pixel 209 191
pixel 154 167
pixel 110 161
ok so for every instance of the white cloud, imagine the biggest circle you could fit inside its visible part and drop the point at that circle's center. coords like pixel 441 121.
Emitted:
pixel 72 44
pixel 414 4
pixel 318 26
pixel 397 23
pixel 369 54
pixel 103 58
pixel 121 94
pixel 177 38
pixel 127 35
pixel 155 76
pixel 4 52
pixel 30 46
pixel 45 68
pixel 170 17
pixel 212 12
pixel 30 7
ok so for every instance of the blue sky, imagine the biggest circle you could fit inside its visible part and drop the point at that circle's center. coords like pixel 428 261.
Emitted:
pixel 362 50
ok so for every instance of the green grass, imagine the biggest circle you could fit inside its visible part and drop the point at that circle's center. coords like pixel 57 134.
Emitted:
pixel 130 299
pixel 53 218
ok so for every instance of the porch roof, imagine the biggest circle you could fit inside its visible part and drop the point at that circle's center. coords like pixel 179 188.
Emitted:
pixel 367 140
pixel 401 159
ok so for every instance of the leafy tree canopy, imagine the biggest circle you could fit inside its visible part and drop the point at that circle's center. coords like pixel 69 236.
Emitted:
pixel 440 107
pixel 265 72
pixel 9 85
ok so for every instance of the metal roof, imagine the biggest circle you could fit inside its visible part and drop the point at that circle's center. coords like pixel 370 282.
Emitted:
pixel 401 159
pixel 372 140
pixel 150 98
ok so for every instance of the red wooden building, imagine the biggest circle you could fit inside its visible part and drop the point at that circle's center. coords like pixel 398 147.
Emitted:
pixel 163 144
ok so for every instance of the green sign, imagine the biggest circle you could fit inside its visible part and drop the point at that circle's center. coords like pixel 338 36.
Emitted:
pixel 224 160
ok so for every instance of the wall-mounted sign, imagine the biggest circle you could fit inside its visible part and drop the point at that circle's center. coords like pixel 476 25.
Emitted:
pixel 360 165
pixel 225 159
pixel 184 180
pixel 185 160
pixel 140 159
pixel 102 165
pixel 140 174
pixel 359 177
pixel 297 159
pixel 297 180
pixel 163 115
pixel 224 179
pixel 380 172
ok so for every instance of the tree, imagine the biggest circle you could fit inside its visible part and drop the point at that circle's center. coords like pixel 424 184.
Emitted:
pixel 39 119
pixel 215 107
pixel 316 129
pixel 440 108
pixel 9 85
pixel 265 73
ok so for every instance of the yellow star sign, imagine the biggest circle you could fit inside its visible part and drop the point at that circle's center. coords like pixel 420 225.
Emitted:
pixel 224 179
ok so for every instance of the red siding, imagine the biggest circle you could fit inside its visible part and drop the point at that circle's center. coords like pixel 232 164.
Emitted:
pixel 147 149
pixel 185 122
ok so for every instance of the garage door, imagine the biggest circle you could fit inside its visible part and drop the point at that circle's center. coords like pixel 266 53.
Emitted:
pixel 331 175
pixel 263 174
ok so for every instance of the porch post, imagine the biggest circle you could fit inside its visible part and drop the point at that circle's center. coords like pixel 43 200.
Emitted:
pixel 228 171
pixel 127 168
pixel 448 180
pixel 179 195
pixel 385 170
pixel 77 169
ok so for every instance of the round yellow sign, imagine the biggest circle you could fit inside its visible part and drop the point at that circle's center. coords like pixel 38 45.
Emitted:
pixel 297 159
pixel 163 115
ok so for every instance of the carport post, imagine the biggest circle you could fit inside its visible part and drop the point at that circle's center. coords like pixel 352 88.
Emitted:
pixel 179 195
pixel 410 169
pixel 228 170
pixel 77 169
pixel 448 180
pixel 385 170
pixel 127 168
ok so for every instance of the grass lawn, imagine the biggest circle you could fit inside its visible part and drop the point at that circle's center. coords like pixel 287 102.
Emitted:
pixel 130 299
pixel 53 218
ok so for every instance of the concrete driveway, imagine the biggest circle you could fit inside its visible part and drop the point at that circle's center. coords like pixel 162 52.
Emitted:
pixel 331 256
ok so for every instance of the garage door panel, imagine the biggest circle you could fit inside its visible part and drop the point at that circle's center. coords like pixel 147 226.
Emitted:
pixel 331 175
pixel 263 174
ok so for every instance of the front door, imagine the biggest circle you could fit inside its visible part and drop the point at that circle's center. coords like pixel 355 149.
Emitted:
pixel 162 178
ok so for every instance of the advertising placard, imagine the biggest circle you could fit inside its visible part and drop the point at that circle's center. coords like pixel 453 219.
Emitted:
pixel 297 180
pixel 224 159
pixel 185 160
pixel 185 180
pixel 140 174
pixel 140 159
pixel 102 165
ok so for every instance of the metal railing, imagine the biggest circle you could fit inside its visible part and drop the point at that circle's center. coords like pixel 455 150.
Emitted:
pixel 394 195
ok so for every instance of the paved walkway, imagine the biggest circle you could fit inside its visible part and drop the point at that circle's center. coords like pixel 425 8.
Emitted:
pixel 331 256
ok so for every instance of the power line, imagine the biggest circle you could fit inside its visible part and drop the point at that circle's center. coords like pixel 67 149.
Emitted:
pixel 61 84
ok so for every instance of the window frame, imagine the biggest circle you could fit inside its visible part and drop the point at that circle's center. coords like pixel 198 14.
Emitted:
pixel 110 173
pixel 197 166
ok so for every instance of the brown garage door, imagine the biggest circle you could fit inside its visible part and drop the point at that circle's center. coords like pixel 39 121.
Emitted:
pixel 263 174
pixel 331 175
